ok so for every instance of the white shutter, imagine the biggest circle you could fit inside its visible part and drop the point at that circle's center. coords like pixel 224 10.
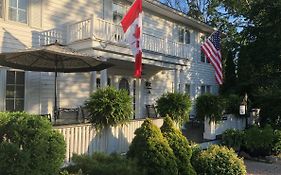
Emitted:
pixel 35 8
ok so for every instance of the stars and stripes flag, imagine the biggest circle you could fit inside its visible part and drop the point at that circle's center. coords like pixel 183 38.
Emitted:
pixel 132 27
pixel 212 49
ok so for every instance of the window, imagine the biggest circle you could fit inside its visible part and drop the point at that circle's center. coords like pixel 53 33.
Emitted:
pixel 184 36
pixel 98 83
pixel 187 89
pixel 203 57
pixel 118 12
pixel 124 84
pixel 15 91
pixel 1 9
pixel 18 10
pixel 205 89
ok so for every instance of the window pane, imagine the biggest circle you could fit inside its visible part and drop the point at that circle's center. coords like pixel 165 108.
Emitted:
pixel 22 16
pixel 208 89
pixel 1 8
pixel 10 89
pixel 203 90
pixel 98 82
pixel 187 89
pixel 13 3
pixel 181 35
pixel 12 14
pixel 187 37
pixel 19 105
pixel 10 77
pixel 20 78
pixel 19 91
pixel 22 4
pixel 9 105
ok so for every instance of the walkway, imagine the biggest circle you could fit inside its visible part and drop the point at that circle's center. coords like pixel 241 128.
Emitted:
pixel 259 168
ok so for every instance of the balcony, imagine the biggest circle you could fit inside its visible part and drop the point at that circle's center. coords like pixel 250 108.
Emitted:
pixel 105 31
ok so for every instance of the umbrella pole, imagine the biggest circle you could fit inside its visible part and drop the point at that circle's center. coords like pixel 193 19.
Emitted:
pixel 56 106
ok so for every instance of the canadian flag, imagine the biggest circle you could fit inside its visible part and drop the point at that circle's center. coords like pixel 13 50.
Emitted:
pixel 132 26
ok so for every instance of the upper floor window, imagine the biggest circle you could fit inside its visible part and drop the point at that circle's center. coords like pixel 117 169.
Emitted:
pixel 15 91
pixel 1 9
pixel 203 57
pixel 118 12
pixel 18 10
pixel 205 89
pixel 184 36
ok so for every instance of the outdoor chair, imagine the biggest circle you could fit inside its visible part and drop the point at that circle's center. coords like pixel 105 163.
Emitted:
pixel 48 116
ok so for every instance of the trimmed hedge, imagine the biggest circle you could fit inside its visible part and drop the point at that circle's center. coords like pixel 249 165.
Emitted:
pixel 218 160
pixel 179 145
pixel 29 145
pixel 175 105
pixel 103 164
pixel 109 107
pixel 152 151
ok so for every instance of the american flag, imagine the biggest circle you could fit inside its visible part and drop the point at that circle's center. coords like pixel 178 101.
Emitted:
pixel 212 49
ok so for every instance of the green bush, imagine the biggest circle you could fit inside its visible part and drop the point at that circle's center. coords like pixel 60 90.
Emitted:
pixel 219 160
pixel 232 104
pixel 109 107
pixel 175 105
pixel 210 106
pixel 152 151
pixel 276 148
pixel 103 164
pixel 233 139
pixel 179 145
pixel 258 141
pixel 29 145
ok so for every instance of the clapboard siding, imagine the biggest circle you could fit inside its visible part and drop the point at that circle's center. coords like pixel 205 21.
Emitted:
pixel 83 139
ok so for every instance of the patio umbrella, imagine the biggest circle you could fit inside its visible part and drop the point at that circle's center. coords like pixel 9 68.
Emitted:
pixel 52 58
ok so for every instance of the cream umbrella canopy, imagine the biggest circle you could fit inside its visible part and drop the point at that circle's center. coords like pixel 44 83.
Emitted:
pixel 53 58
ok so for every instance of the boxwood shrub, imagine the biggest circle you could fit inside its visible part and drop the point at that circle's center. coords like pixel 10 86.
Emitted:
pixel 103 164
pixel 109 107
pixel 152 151
pixel 219 160
pixel 179 145
pixel 276 148
pixel 233 139
pixel 29 145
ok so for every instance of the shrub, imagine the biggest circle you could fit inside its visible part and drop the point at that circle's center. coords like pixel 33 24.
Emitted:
pixel 210 106
pixel 276 148
pixel 175 105
pixel 29 145
pixel 179 145
pixel 152 151
pixel 233 139
pixel 109 107
pixel 258 141
pixel 103 164
pixel 232 104
pixel 219 160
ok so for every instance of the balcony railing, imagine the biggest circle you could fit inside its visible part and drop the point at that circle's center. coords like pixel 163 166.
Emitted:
pixel 99 29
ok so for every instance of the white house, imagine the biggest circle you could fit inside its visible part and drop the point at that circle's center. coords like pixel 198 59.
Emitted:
pixel 172 59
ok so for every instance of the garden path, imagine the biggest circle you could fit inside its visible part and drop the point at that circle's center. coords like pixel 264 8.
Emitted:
pixel 259 168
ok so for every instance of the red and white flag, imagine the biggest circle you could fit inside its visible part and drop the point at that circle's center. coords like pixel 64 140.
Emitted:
pixel 132 26
pixel 212 49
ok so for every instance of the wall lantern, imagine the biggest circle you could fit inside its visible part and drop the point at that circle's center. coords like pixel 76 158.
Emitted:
pixel 243 105
pixel 148 86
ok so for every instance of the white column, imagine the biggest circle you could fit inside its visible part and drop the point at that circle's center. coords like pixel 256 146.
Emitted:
pixel 138 95
pixel 176 80
pixel 182 81
pixel 93 81
pixel 103 78
pixel 2 88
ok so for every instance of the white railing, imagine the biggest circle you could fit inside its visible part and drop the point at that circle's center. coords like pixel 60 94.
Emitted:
pixel 110 32
pixel 83 139
pixel 51 36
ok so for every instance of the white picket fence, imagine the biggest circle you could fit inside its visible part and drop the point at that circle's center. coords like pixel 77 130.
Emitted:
pixel 83 139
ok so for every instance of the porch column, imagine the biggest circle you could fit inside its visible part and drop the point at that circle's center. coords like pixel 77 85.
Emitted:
pixel 176 80
pixel 138 97
pixel 2 87
pixel 103 78
pixel 93 81
pixel 182 81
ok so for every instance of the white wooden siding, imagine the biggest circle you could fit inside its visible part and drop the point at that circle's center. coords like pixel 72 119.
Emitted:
pixel 83 139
